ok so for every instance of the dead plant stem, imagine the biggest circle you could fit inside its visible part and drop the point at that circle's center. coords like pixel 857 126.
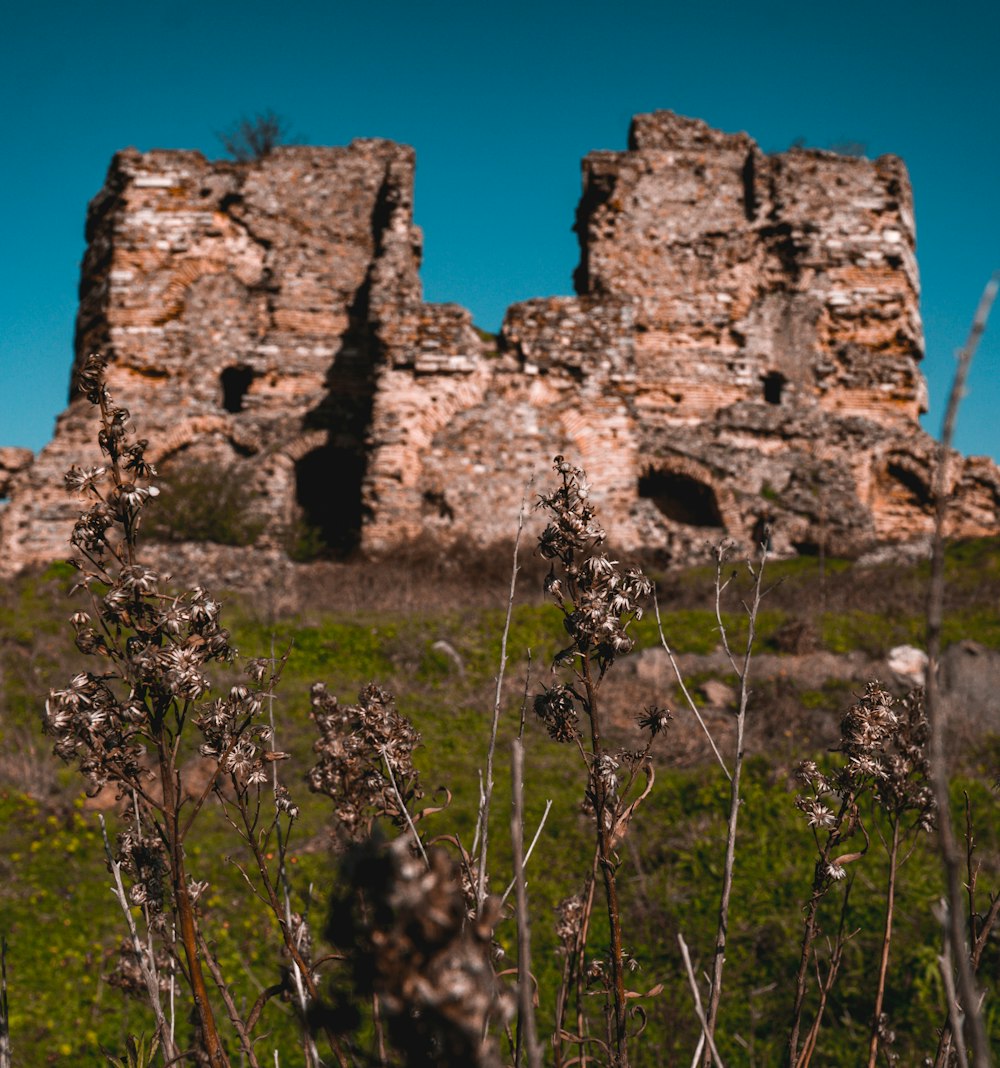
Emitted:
pixel 890 900
pixel 286 931
pixel 722 931
pixel 5 1046
pixel 684 690
pixel 403 809
pixel 967 992
pixel 527 1032
pixel 246 1044
pixel 144 958
pixel 604 805
pixel 483 824
pixel 713 1053
pixel 185 910
pixel 529 851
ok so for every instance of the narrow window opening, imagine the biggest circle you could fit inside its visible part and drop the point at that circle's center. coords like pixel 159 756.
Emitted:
pixel 761 534
pixel 914 489
pixel 749 182
pixel 235 383
pixel 774 385
pixel 681 498
pixel 328 490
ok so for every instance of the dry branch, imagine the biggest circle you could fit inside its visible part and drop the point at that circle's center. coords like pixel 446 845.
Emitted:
pixel 967 991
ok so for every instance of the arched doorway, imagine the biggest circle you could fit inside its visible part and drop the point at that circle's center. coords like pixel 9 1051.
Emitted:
pixel 235 382
pixel 328 490
pixel 681 497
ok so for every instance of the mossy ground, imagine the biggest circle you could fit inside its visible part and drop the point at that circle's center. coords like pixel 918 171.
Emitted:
pixel 62 924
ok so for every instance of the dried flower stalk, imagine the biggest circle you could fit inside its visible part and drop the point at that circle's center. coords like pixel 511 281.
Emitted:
pixel 598 601
pixel 125 726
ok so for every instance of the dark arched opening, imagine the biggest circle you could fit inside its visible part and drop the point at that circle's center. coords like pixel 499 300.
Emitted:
pixel 681 498
pixel 915 489
pixel 328 490
pixel 774 385
pixel 761 533
pixel 235 383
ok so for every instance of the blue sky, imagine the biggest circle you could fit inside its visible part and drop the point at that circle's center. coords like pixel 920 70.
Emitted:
pixel 501 101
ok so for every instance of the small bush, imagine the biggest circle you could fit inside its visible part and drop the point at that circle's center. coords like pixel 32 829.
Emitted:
pixel 253 139
pixel 202 501
pixel 304 542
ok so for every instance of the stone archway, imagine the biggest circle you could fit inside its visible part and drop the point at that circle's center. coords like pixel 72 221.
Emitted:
pixel 328 493
pixel 909 484
pixel 904 483
pixel 682 496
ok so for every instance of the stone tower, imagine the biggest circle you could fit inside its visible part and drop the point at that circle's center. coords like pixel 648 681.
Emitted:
pixel 744 349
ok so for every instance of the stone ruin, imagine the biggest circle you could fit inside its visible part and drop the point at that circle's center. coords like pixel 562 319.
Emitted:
pixel 743 351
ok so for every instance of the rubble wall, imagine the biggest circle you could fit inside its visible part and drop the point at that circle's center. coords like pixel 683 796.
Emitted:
pixel 743 350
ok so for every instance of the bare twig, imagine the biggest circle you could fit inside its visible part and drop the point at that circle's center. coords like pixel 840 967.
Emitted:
pixel 308 1045
pixel 486 791
pixel 527 1033
pixel 954 1010
pixel 403 808
pixel 693 983
pixel 288 937
pixel 826 985
pixel 241 1029
pixel 937 712
pixel 5 1050
pixel 722 932
pixel 886 939
pixel 980 927
pixel 531 849
pixel 684 690
pixel 524 696
pixel 573 975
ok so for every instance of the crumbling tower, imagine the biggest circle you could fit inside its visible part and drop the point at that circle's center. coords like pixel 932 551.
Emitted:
pixel 241 307
pixel 788 278
pixel 743 350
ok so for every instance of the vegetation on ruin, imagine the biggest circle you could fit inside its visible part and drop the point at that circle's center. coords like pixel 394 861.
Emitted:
pixel 256 137
pixel 201 501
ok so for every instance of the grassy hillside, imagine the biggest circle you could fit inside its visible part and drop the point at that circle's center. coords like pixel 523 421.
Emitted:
pixel 437 649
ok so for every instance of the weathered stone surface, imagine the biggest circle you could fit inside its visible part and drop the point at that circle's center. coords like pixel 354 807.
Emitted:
pixel 743 351
pixel 970 685
pixel 908 664
pixel 12 460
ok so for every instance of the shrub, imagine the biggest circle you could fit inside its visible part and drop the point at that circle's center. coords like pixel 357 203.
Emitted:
pixel 201 501
pixel 253 139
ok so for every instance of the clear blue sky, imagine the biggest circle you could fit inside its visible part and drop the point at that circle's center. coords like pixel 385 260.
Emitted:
pixel 501 101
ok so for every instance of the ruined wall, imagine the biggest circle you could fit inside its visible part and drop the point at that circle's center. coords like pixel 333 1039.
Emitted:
pixel 796 267
pixel 744 349
pixel 238 305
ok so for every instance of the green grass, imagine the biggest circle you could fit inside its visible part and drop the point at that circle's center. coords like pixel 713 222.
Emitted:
pixel 63 927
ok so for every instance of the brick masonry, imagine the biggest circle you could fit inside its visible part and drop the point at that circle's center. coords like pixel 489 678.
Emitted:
pixel 743 349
